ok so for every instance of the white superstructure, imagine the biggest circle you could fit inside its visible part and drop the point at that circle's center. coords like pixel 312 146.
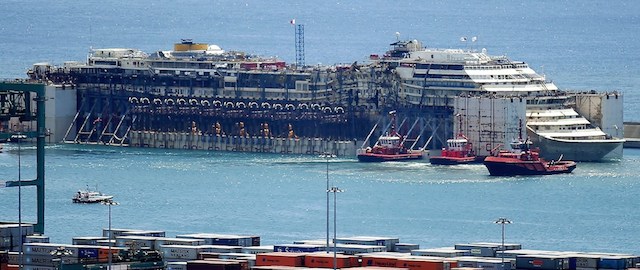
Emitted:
pixel 429 74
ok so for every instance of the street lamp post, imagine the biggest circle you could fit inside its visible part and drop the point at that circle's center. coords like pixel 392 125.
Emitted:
pixel 502 221
pixel 327 156
pixel 110 203
pixel 60 252
pixel 18 137
pixel 334 190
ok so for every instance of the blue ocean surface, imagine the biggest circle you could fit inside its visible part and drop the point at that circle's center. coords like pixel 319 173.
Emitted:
pixel 282 198
pixel 580 45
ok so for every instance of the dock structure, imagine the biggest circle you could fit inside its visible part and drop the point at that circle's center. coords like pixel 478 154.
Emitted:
pixel 152 250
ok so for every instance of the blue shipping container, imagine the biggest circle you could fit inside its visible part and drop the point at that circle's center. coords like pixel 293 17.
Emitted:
pixel 225 241
pixel 613 263
pixel 542 262
pixel 297 248
pixel 87 253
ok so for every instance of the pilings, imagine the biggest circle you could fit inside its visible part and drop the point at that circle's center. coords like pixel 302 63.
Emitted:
pixel 255 144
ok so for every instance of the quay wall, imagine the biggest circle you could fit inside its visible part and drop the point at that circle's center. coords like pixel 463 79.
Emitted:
pixel 255 144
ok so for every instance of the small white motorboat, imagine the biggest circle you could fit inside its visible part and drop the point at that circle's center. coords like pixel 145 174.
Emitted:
pixel 90 196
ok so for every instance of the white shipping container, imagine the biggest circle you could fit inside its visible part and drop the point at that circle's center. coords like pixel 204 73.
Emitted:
pixel 388 242
pixel 221 249
pixel 222 239
pixel 177 241
pixel 45 249
pixel 192 252
pixel 237 256
pixel 13 257
pixel 87 240
pixel 38 267
pixel 386 254
pixel 257 249
pixel 36 239
pixel 584 260
pixel 136 241
pixel 116 232
pixel 447 252
pixel 143 233
pixel 406 248
pixel 47 260
pixel 507 246
pixel 313 242
pixel 120 267
pixel 180 252
pixel 512 254
pixel 357 249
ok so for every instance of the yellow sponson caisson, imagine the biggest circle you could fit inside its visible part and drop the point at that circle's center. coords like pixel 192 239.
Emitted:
pixel 188 45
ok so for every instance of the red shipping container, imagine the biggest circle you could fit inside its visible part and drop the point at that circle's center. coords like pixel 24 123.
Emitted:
pixel 103 254
pixel 426 264
pixel 212 265
pixel 280 259
pixel 208 255
pixel 3 266
pixel 377 268
pixel 11 267
pixel 244 264
pixel 413 264
pixel 325 260
pixel 379 261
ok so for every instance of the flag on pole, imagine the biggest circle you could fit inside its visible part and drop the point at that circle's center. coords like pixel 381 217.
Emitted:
pixel 293 21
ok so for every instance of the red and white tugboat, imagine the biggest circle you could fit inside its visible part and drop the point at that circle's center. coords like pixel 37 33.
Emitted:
pixel 458 151
pixel 522 160
pixel 390 147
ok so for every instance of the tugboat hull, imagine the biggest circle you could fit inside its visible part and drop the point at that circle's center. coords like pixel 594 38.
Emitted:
pixel 452 160
pixel 498 166
pixel 370 157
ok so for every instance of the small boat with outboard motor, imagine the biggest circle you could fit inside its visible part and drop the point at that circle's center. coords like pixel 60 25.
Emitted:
pixel 521 159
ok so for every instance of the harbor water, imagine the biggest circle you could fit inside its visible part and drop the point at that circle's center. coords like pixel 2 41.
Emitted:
pixel 580 45
pixel 282 198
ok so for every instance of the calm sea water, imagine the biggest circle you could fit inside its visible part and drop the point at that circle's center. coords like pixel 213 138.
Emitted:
pixel 282 198
pixel 578 44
